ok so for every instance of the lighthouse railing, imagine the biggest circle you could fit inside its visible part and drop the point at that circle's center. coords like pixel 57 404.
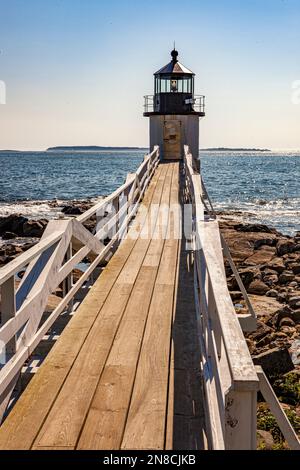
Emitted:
pixel 199 104
pixel 230 379
pixel 48 268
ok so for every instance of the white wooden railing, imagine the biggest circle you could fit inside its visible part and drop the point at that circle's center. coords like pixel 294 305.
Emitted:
pixel 231 381
pixel 49 264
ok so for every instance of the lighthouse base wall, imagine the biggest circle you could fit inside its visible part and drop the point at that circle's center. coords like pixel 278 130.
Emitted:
pixel 171 132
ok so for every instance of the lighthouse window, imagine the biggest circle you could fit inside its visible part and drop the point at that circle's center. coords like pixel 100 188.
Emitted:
pixel 186 86
pixel 165 86
pixel 179 85
pixel 171 84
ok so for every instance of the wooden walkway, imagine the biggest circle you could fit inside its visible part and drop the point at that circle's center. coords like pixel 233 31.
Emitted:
pixel 125 373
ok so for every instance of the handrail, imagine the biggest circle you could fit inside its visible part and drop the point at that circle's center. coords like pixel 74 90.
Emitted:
pixel 230 379
pixel 197 102
pixel 50 263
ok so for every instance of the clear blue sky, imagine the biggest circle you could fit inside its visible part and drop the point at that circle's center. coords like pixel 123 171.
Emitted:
pixel 76 70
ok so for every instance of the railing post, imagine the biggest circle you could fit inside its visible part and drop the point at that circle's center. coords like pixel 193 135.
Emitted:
pixel 8 311
pixel 240 420
pixel 68 282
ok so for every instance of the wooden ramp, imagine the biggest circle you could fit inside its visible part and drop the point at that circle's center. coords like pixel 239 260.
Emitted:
pixel 125 373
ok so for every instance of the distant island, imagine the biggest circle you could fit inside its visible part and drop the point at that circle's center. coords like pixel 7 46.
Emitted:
pixel 227 149
pixel 96 148
pixel 91 148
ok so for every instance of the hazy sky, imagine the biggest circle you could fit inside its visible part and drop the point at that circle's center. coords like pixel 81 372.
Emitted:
pixel 76 70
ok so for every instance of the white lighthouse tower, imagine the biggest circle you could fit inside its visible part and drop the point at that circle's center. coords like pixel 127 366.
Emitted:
pixel 174 111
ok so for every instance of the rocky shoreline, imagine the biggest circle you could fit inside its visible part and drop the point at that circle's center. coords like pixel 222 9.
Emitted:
pixel 269 265
pixel 19 233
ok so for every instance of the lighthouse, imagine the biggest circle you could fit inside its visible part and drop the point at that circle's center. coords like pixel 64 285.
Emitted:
pixel 174 111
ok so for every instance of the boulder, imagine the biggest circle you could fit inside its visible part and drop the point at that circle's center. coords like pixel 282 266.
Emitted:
pixel 286 322
pixel 12 223
pixel 34 228
pixel 249 274
pixel 258 287
pixel 264 306
pixel 72 210
pixel 294 302
pixel 295 315
pixel 272 293
pixel 255 228
pixel 285 246
pixel 243 244
pixel 261 331
pixel 8 236
pixel 282 296
pixel 275 319
pixel 76 207
pixel 295 268
pixel 240 249
pixel 286 277
pixel 274 362
pixel 276 264
pixel 259 257
pixel 270 279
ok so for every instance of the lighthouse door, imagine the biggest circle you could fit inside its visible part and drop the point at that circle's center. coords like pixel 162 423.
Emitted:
pixel 172 140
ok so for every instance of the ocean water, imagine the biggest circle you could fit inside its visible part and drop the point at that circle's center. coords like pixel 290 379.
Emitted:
pixel 263 187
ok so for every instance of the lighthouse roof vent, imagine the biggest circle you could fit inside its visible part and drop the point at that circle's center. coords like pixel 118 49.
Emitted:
pixel 174 67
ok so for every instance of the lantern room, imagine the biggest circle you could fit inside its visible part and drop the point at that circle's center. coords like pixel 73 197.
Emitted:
pixel 174 91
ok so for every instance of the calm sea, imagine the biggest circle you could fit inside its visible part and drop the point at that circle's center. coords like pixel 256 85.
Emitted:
pixel 263 186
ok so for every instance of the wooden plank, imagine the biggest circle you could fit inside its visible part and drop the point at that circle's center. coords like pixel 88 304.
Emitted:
pixel 106 418
pixel 66 418
pixel 185 418
pixel 23 424
pixel 145 426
